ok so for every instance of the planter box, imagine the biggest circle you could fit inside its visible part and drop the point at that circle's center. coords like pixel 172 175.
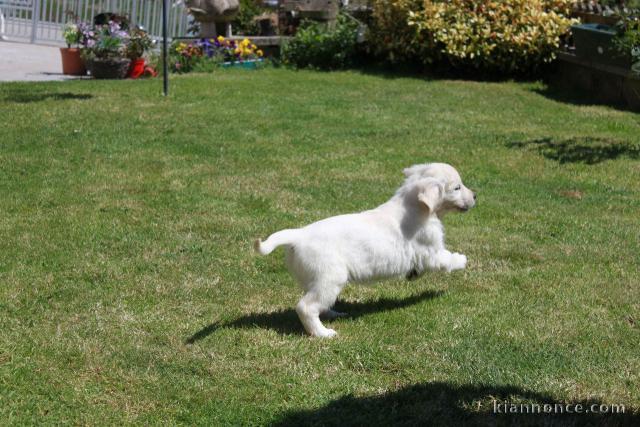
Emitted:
pixel 251 64
pixel 594 43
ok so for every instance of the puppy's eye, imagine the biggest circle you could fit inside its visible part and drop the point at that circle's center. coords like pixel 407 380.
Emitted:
pixel 458 187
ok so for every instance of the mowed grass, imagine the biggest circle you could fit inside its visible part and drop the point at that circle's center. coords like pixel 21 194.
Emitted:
pixel 130 294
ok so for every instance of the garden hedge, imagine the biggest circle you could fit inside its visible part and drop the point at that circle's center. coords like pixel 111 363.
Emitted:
pixel 509 36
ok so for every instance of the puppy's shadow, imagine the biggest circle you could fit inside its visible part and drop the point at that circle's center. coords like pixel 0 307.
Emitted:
pixel 286 322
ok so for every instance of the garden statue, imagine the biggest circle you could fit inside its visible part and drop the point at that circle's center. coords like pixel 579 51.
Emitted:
pixel 213 15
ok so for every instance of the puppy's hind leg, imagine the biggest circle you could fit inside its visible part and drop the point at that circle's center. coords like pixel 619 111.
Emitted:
pixel 317 300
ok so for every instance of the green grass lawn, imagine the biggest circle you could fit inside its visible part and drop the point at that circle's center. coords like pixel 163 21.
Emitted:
pixel 129 292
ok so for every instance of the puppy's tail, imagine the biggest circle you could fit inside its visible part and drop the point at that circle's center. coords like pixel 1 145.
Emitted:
pixel 284 237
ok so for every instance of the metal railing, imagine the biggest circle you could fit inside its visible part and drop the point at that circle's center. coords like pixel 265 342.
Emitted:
pixel 42 21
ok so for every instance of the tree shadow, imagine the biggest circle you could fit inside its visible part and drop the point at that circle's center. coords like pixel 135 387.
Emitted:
pixel 286 322
pixel 588 150
pixel 25 97
pixel 444 404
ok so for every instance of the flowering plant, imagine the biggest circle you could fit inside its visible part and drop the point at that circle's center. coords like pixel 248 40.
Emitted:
pixel 71 34
pixel 139 43
pixel 186 57
pixel 104 41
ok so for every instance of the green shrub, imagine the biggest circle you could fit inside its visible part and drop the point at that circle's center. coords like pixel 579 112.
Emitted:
pixel 628 39
pixel 509 36
pixel 319 47
pixel 244 22
pixel 390 35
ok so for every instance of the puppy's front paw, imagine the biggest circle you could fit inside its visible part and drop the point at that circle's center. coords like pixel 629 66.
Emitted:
pixel 458 261
pixel 326 333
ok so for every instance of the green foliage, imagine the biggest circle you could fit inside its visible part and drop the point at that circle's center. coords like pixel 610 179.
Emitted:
pixel 628 39
pixel 139 43
pixel 390 35
pixel 315 45
pixel 244 22
pixel 508 37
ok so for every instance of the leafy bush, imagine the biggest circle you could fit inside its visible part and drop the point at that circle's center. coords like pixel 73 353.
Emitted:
pixel 510 36
pixel 244 22
pixel 390 35
pixel 628 38
pixel 317 46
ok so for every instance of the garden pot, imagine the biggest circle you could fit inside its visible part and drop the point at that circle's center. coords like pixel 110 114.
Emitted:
pixel 72 63
pixel 109 68
pixel 594 42
pixel 136 69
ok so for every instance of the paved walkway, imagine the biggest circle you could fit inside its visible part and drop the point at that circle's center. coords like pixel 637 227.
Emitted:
pixel 30 62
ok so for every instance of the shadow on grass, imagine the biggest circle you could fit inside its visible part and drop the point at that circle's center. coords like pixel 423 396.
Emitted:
pixel 25 97
pixel 586 150
pixel 407 71
pixel 577 97
pixel 445 404
pixel 286 321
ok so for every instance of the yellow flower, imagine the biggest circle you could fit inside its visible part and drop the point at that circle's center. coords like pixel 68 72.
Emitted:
pixel 220 39
pixel 246 42
pixel 260 52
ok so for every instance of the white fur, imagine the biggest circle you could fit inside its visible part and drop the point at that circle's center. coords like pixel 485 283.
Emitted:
pixel 402 237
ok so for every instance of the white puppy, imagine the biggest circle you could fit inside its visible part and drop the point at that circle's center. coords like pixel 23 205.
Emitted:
pixel 402 237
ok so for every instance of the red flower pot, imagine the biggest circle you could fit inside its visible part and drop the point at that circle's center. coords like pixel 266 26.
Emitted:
pixel 72 63
pixel 136 69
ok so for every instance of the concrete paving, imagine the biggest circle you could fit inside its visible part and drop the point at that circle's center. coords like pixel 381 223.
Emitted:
pixel 30 62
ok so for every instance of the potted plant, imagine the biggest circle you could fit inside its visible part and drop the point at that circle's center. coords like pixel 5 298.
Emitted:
pixel 105 51
pixel 139 44
pixel 72 63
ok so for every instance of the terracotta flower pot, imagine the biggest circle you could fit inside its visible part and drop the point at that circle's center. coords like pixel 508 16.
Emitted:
pixel 109 68
pixel 72 63
pixel 136 69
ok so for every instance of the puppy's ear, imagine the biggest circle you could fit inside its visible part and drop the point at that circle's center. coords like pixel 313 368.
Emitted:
pixel 414 170
pixel 431 195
